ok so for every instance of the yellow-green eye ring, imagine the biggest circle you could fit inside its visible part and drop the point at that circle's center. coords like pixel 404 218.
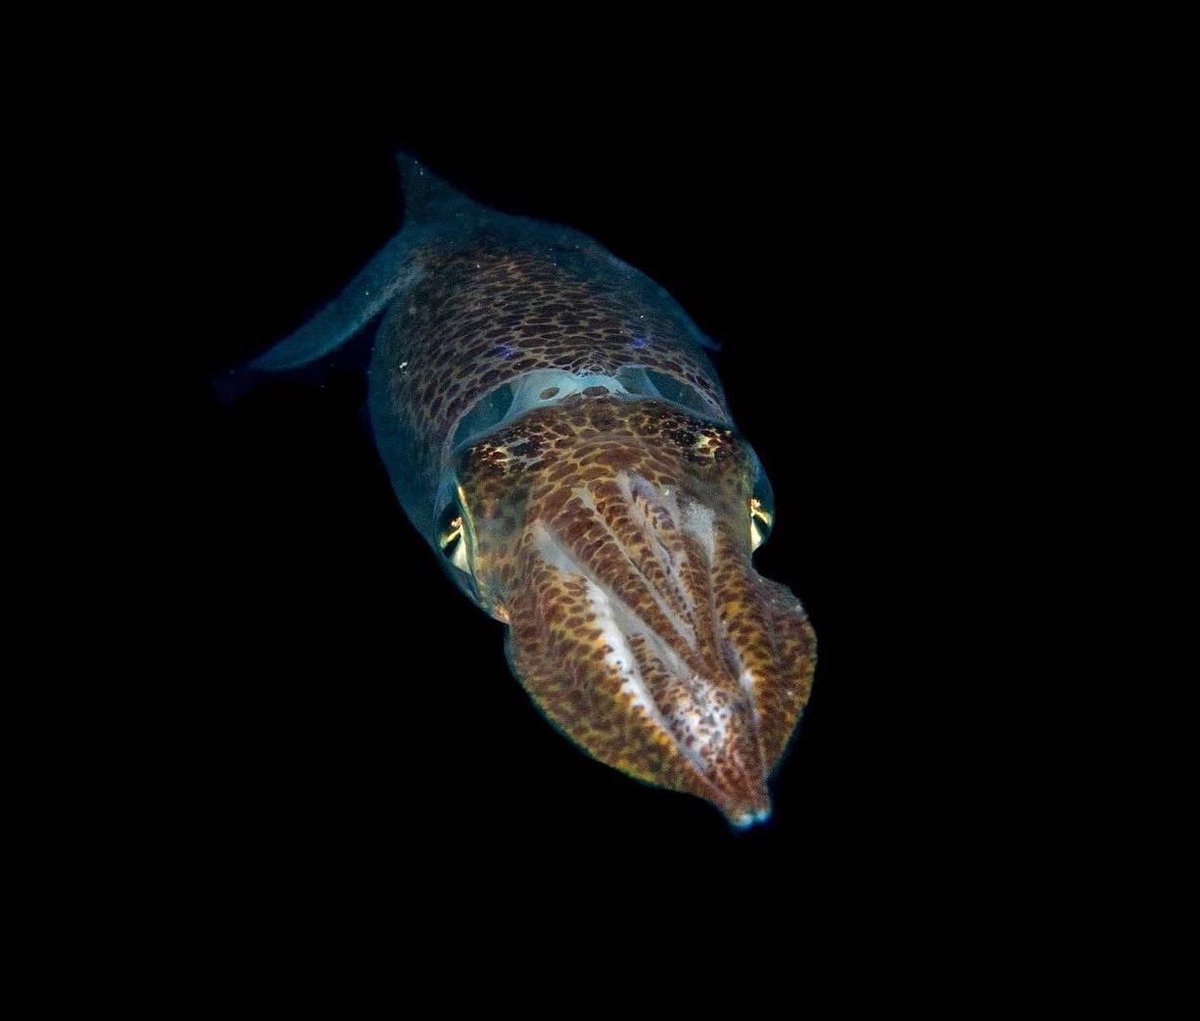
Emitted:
pixel 452 539
pixel 761 520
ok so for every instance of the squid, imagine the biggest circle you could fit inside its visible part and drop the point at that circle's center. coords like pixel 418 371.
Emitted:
pixel 553 427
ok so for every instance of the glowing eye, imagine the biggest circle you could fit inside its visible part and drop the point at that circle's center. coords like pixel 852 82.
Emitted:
pixel 452 539
pixel 761 521
pixel 762 510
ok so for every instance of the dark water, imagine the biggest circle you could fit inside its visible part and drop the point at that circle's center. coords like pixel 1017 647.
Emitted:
pixel 357 717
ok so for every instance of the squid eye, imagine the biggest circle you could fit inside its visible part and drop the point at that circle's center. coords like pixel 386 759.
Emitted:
pixel 761 521
pixel 762 513
pixel 452 538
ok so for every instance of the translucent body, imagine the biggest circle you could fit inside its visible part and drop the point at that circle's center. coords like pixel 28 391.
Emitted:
pixel 469 342
pixel 453 252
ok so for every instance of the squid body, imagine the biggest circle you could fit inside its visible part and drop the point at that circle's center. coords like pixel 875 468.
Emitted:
pixel 553 427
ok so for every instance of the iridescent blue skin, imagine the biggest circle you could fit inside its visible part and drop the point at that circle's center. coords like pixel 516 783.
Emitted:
pixel 499 340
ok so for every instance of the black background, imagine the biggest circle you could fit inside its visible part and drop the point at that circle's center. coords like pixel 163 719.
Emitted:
pixel 345 709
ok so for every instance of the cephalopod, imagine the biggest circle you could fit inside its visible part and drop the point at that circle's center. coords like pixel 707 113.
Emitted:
pixel 553 427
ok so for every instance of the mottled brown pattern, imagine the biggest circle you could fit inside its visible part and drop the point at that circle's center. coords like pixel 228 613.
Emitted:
pixel 605 493
pixel 481 312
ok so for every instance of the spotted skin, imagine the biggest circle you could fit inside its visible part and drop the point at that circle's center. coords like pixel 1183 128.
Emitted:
pixel 601 507
pixel 552 425
pixel 482 314
pixel 502 300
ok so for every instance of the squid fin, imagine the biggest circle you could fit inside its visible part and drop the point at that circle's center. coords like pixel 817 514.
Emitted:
pixel 427 198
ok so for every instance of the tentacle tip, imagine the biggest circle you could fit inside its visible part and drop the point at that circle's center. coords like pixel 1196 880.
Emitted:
pixel 743 819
